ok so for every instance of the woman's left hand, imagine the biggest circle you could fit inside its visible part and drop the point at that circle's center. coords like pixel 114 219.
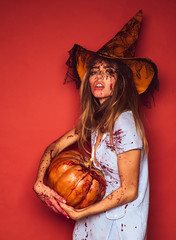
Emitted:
pixel 74 214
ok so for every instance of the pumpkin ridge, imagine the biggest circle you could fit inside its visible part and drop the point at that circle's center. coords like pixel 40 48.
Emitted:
pixel 63 173
pixel 99 175
pixel 56 181
pixel 57 164
pixel 90 200
pixel 99 180
pixel 83 198
pixel 77 185
pixel 55 168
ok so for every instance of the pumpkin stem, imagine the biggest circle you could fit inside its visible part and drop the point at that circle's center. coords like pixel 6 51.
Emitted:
pixel 88 163
pixel 91 161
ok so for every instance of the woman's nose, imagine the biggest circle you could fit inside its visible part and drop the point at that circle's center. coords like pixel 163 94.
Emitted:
pixel 100 74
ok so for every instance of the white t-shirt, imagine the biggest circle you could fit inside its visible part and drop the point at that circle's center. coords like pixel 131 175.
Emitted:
pixel 128 221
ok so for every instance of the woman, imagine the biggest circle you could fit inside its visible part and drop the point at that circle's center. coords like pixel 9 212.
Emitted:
pixel 109 100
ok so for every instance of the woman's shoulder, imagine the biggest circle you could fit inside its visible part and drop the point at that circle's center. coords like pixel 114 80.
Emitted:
pixel 126 133
pixel 125 119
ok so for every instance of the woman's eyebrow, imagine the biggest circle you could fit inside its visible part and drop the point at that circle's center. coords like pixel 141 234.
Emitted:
pixel 94 67
pixel 110 66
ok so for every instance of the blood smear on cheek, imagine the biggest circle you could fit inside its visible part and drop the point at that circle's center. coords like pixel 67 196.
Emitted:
pixel 110 86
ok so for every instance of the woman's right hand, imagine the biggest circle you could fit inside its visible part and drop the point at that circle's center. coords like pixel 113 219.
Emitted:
pixel 50 197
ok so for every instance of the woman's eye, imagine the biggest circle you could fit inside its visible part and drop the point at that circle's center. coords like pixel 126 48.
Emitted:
pixel 92 73
pixel 110 71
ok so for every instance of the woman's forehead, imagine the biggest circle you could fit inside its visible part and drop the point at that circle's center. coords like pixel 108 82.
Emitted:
pixel 103 63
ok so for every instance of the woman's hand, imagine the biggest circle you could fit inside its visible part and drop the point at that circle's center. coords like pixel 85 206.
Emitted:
pixel 73 213
pixel 50 198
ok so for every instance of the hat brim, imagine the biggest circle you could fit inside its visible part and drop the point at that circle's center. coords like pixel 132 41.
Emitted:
pixel 143 69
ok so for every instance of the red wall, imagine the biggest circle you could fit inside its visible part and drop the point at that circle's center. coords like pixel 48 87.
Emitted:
pixel 36 107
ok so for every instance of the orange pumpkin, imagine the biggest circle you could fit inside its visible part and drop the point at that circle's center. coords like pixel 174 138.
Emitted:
pixel 75 178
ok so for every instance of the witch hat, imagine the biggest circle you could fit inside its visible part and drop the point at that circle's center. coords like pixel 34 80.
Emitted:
pixel 121 47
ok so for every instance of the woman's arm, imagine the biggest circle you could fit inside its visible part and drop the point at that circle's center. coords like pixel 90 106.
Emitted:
pixel 128 165
pixel 47 195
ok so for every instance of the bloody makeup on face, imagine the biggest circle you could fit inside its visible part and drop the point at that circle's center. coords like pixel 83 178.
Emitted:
pixel 103 76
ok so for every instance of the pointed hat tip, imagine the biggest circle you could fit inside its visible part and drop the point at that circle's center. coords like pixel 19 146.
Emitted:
pixel 139 15
pixel 140 12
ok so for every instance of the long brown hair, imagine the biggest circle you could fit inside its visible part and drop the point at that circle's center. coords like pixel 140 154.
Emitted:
pixel 102 117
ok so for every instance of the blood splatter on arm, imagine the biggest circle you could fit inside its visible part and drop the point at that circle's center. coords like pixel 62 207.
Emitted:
pixel 53 150
pixel 47 195
pixel 116 196
pixel 70 136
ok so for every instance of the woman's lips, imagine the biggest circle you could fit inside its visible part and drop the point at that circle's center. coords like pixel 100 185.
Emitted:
pixel 98 86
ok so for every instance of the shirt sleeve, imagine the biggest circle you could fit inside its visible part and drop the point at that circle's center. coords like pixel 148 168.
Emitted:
pixel 125 135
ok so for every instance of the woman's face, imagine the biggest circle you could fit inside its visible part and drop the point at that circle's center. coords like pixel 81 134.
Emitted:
pixel 102 80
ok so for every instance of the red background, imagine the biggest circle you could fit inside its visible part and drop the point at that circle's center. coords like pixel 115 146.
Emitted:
pixel 36 108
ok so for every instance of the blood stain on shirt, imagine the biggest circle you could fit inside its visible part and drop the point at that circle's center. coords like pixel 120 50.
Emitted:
pixel 117 136
pixel 126 206
pixel 106 169
pixel 122 227
pixel 117 140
